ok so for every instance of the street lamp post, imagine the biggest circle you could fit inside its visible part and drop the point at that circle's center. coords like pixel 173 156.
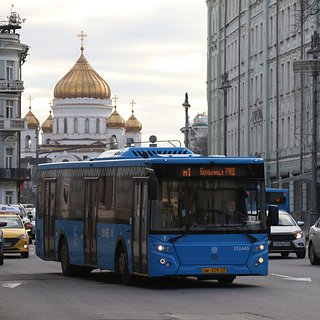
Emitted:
pixel 225 85
pixel 315 52
pixel 186 105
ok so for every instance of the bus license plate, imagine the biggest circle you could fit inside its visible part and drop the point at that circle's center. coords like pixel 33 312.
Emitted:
pixel 214 270
pixel 281 244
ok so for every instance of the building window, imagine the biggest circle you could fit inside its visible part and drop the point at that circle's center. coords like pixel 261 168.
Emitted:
pixel 9 157
pixel 75 125
pixel 65 125
pixel 8 197
pixel 28 142
pixel 86 125
pixel 9 70
pixel 97 126
pixel 113 142
pixel 130 142
pixel 9 109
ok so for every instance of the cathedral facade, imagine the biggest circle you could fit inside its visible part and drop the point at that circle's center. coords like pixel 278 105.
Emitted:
pixel 82 123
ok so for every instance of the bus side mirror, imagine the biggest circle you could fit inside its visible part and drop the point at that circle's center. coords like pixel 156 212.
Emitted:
pixel 273 216
pixel 153 186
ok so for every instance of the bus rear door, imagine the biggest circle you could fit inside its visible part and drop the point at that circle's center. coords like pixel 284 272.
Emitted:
pixel 139 241
pixel 49 219
pixel 90 221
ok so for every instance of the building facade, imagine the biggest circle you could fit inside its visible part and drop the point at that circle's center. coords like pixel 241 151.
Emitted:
pixel 12 56
pixel 257 105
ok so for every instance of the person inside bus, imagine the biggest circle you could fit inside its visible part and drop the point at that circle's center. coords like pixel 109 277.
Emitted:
pixel 232 214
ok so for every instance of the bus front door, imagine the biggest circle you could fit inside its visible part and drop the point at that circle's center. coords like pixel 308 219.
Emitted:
pixel 48 221
pixel 139 236
pixel 90 221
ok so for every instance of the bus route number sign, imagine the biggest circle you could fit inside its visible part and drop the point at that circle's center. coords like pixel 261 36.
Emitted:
pixel 227 171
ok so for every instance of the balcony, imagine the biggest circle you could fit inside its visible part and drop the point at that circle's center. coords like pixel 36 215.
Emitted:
pixel 12 124
pixel 15 174
pixel 11 86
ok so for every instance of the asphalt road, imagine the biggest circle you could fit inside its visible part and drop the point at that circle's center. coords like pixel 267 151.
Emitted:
pixel 35 289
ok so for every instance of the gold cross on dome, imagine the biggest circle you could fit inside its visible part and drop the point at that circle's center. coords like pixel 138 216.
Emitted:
pixel 82 35
pixel 132 104
pixel 30 99
pixel 115 98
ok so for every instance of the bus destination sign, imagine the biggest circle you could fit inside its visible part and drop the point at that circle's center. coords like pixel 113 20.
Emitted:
pixel 210 171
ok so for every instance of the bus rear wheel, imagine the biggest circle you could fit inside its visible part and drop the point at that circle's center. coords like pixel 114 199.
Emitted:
pixel 67 268
pixel 123 268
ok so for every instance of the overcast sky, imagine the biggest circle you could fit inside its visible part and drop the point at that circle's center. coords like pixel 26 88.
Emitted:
pixel 151 51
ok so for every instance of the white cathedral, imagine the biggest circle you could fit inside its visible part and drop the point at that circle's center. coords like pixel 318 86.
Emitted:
pixel 83 123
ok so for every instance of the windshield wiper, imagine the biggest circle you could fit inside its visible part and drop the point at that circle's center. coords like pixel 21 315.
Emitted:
pixel 250 236
pixel 174 239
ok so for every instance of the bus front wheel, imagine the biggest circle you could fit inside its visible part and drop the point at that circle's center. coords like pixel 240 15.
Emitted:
pixel 67 268
pixel 226 279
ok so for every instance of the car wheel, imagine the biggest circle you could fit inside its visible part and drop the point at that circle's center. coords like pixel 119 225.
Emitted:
pixel 25 255
pixel 314 260
pixel 301 255
pixel 284 254
pixel 1 259
pixel 67 268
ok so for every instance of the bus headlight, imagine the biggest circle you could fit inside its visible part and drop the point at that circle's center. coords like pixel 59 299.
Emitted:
pixel 260 261
pixel 160 247
pixel 260 247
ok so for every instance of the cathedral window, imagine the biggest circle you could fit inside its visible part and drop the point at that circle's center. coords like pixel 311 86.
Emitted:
pixel 28 142
pixel 65 125
pixel 75 125
pixel 97 126
pixel 113 142
pixel 86 125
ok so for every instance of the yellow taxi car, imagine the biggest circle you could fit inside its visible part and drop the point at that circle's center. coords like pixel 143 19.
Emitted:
pixel 15 236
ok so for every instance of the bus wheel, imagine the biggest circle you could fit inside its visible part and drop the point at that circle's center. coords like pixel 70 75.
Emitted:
pixel 67 268
pixel 226 279
pixel 123 268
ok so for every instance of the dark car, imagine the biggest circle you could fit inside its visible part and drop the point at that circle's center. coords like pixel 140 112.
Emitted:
pixel 314 243
pixel 2 224
pixel 287 237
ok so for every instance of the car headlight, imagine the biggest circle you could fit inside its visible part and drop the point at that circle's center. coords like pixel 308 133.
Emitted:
pixel 299 235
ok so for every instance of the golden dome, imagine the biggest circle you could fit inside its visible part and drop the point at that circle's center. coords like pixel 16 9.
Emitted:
pixel 115 120
pixel 47 126
pixel 33 122
pixel 132 124
pixel 82 81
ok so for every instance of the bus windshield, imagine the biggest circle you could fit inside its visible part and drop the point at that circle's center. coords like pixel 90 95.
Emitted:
pixel 213 205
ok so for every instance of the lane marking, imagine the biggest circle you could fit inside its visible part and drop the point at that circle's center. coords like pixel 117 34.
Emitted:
pixel 11 285
pixel 291 278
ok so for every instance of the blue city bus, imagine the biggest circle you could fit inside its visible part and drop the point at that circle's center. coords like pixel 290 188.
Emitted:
pixel 278 197
pixel 154 212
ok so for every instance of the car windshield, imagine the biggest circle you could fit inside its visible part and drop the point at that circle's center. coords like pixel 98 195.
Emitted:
pixel 12 222
pixel 285 219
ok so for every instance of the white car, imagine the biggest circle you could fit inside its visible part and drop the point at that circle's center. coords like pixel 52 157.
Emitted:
pixel 287 237
pixel 314 243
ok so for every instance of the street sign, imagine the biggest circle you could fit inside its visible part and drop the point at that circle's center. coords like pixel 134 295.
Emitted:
pixel 306 66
